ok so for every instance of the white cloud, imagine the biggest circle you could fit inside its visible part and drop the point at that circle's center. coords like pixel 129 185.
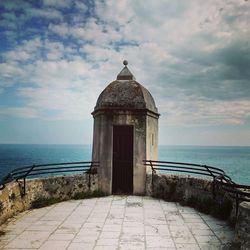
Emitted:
pixel 81 5
pixel 60 73
pixel 189 111
pixel 171 47
pixel 10 70
pixel 91 31
pixel 28 50
pixel 68 104
pixel 48 13
pixel 58 3
pixel 115 12
pixel 60 29
pixel 25 112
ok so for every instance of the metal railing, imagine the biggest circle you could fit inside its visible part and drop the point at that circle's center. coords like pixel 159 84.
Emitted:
pixel 219 178
pixel 52 169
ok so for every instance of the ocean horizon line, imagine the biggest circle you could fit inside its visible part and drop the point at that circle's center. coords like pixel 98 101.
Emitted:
pixel 90 144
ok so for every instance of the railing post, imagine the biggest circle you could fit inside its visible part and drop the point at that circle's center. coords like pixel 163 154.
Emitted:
pixel 152 180
pixel 236 204
pixel 24 180
pixel 24 187
pixel 89 182
pixel 213 188
pixel 214 181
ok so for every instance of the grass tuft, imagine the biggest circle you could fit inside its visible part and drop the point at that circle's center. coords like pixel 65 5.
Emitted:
pixel 2 233
pixel 1 206
pixel 89 194
pixel 42 201
pixel 220 210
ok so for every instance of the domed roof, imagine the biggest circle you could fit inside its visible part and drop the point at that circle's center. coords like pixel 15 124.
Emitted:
pixel 126 93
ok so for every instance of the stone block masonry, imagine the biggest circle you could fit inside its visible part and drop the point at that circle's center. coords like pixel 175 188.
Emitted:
pixel 178 187
pixel 242 229
pixel 60 187
pixel 198 193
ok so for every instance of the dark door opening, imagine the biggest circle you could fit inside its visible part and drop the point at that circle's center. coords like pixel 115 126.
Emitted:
pixel 122 180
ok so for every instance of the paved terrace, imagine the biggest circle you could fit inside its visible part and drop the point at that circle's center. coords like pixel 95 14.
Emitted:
pixel 115 222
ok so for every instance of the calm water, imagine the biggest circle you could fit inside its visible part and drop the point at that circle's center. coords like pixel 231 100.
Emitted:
pixel 234 160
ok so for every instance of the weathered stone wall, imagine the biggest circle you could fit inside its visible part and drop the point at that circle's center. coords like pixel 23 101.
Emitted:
pixel 242 228
pixel 152 138
pixel 192 191
pixel 61 187
pixel 177 187
pixel 181 188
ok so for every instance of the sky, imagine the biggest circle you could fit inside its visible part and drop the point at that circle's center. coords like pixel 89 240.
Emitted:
pixel 56 56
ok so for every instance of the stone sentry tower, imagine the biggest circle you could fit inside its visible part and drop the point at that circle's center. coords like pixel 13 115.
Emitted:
pixel 125 134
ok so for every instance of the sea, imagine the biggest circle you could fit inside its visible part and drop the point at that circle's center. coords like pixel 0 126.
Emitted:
pixel 235 161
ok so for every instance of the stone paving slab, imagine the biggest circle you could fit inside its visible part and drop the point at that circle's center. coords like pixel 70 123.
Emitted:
pixel 115 222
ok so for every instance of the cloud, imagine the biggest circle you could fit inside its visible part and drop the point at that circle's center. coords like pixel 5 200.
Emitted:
pixel 58 3
pixel 60 29
pixel 25 112
pixel 10 74
pixel 81 6
pixel 193 57
pixel 65 104
pixel 89 32
pixel 48 13
pixel 190 112
pixel 14 5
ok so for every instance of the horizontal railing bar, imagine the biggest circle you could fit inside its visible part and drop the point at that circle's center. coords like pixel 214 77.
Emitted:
pixel 224 177
pixel 237 191
pixel 184 171
pixel 54 164
pixel 65 167
pixel 170 167
pixel 22 168
pixel 179 167
pixel 236 185
pixel 41 169
pixel 65 163
pixel 47 172
pixel 183 163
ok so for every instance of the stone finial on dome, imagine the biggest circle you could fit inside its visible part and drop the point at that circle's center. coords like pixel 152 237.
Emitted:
pixel 125 74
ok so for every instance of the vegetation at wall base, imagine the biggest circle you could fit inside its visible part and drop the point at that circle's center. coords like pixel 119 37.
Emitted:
pixel 1 207
pixel 2 233
pixel 89 194
pixel 220 210
pixel 42 201
pixel 220 207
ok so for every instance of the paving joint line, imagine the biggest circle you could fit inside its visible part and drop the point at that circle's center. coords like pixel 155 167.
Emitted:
pixel 165 216
pixel 62 222
pixel 197 243
pixel 80 203
pixel 103 223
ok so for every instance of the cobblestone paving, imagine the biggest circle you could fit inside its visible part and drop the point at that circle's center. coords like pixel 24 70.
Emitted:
pixel 115 222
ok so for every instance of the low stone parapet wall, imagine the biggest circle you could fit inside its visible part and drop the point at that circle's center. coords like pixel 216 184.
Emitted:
pixel 242 228
pixel 177 187
pixel 199 193
pixel 12 200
